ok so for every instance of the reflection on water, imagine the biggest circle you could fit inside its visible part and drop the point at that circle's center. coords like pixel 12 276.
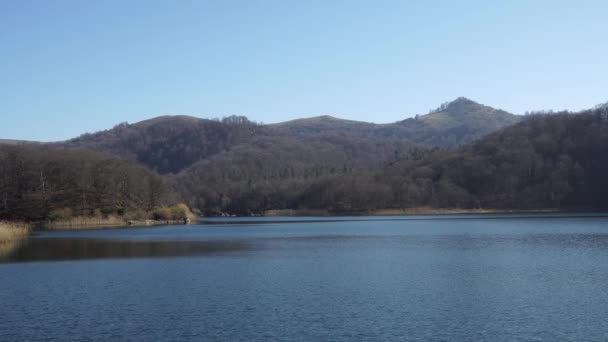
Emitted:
pixel 467 279
pixel 447 217
pixel 7 248
pixel 79 248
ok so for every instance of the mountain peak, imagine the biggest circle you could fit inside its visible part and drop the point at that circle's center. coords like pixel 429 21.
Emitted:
pixel 462 101
pixel 320 119
pixel 324 118
pixel 463 105
pixel 459 105
pixel 463 112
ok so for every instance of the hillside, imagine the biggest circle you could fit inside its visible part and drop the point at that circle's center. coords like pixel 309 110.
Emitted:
pixel 452 124
pixel 274 171
pixel 326 125
pixel 240 167
pixel 546 161
pixel 169 144
pixel 556 161
pixel 234 165
pixel 308 158
pixel 41 183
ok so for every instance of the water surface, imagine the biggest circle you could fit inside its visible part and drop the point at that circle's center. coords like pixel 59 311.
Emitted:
pixel 423 278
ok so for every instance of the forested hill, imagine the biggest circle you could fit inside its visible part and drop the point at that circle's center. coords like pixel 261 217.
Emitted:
pixel 327 125
pixel 41 183
pixel 557 161
pixel 229 165
pixel 170 144
pixel 452 124
pixel 274 172
pixel 546 161
pixel 455 123
pixel 239 167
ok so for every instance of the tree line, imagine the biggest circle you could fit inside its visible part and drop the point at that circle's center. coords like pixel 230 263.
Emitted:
pixel 40 183
pixel 556 161
pixel 546 161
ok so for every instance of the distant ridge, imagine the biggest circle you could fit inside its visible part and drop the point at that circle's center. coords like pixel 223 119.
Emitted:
pixel 169 144
pixel 173 143
pixel 453 123
pixel 17 142
pixel 461 155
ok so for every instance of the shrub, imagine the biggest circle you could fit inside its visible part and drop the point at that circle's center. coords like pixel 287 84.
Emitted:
pixel 137 214
pixel 61 214
pixel 13 231
pixel 162 214
pixel 97 213
pixel 177 212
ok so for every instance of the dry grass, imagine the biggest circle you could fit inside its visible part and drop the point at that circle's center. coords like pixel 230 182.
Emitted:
pixel 447 211
pixel 84 222
pixel 88 222
pixel 178 212
pixel 11 231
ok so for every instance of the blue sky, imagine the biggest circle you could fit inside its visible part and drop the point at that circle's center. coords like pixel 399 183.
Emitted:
pixel 68 67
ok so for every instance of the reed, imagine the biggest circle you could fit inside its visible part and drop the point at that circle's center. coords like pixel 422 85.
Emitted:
pixel 84 222
pixel 11 231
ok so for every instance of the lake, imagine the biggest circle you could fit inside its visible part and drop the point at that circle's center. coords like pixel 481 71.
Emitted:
pixel 415 278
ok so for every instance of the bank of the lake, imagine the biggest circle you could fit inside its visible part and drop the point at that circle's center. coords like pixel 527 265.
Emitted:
pixel 65 219
pixel 397 212
pixel 10 231
pixel 108 222
pixel 116 222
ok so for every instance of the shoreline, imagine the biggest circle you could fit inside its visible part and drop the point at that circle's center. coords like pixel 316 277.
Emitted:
pixel 105 224
pixel 405 212
pixel 90 223
pixel 62 219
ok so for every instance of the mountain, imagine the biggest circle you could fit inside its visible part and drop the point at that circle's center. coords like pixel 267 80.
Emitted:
pixel 461 155
pixel 239 166
pixel 456 123
pixel 306 157
pixel 169 144
pixel 552 161
pixel 235 165
pixel 452 124
pixel 325 125
pixel 557 161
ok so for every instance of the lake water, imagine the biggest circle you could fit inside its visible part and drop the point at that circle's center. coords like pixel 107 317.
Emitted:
pixel 420 278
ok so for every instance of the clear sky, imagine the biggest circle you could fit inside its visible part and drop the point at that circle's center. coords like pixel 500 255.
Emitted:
pixel 69 67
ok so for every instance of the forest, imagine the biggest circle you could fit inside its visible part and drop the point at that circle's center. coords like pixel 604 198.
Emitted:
pixel 541 161
pixel 548 161
pixel 45 183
